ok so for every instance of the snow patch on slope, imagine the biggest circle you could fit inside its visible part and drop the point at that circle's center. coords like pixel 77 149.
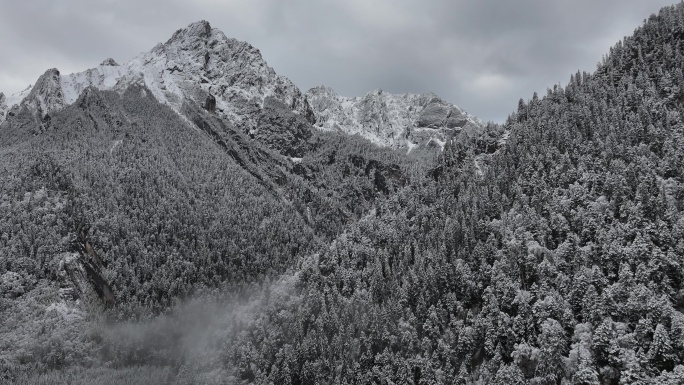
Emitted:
pixel 16 98
pixel 101 77
pixel 9 103
pixel 410 146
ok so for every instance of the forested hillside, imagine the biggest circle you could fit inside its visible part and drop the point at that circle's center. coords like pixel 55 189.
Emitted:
pixel 559 260
pixel 143 246
pixel 117 206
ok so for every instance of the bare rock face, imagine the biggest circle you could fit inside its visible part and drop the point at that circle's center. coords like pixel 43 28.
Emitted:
pixel 433 116
pixel 109 62
pixel 439 114
pixel 456 119
pixel 46 95
pixel 373 112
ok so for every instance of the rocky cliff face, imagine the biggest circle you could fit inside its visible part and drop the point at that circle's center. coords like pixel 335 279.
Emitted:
pixel 394 120
pixel 46 95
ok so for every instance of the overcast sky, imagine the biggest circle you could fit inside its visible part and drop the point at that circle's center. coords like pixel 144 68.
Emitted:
pixel 480 55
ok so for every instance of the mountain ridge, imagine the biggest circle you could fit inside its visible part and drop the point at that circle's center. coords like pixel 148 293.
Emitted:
pixel 199 63
pixel 391 120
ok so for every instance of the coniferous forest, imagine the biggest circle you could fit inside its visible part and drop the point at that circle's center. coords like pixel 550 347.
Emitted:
pixel 138 245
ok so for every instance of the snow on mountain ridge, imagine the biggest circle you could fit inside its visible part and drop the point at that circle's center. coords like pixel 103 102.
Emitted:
pixel 46 95
pixel 393 120
pixel 195 62
pixel 12 101
pixel 199 63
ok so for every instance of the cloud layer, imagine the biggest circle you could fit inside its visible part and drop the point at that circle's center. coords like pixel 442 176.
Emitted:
pixel 480 55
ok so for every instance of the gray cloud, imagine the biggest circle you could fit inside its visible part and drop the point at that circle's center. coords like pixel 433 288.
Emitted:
pixel 480 55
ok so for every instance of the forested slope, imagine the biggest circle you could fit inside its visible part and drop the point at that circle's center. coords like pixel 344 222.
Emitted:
pixel 118 205
pixel 548 250
pixel 561 261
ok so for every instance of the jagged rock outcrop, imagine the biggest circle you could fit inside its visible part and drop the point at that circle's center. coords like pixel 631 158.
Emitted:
pixel 109 62
pixel 282 130
pixel 395 120
pixel 439 114
pixel 46 95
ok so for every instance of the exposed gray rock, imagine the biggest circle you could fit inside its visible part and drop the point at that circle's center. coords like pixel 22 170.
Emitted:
pixel 109 62
pixel 434 115
pixel 439 114
pixel 282 130
pixel 456 119
pixel 46 95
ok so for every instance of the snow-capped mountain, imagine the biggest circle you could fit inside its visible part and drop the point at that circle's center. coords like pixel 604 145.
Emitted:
pixel 198 63
pixel 230 78
pixel 46 95
pixel 395 120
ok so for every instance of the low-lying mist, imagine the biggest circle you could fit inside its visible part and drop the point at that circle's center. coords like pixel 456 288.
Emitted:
pixel 195 342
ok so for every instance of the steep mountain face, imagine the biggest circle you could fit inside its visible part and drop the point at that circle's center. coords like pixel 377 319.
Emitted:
pixel 45 96
pixel 197 63
pixel 393 120
pixel 230 78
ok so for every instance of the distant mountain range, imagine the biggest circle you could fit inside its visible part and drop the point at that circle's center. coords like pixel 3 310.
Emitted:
pixel 200 64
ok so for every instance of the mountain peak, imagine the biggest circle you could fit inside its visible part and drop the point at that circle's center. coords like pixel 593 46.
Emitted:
pixel 109 62
pixel 46 95
pixel 200 28
pixel 199 63
pixel 197 30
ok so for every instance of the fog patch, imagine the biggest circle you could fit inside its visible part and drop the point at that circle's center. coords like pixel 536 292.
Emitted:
pixel 195 336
